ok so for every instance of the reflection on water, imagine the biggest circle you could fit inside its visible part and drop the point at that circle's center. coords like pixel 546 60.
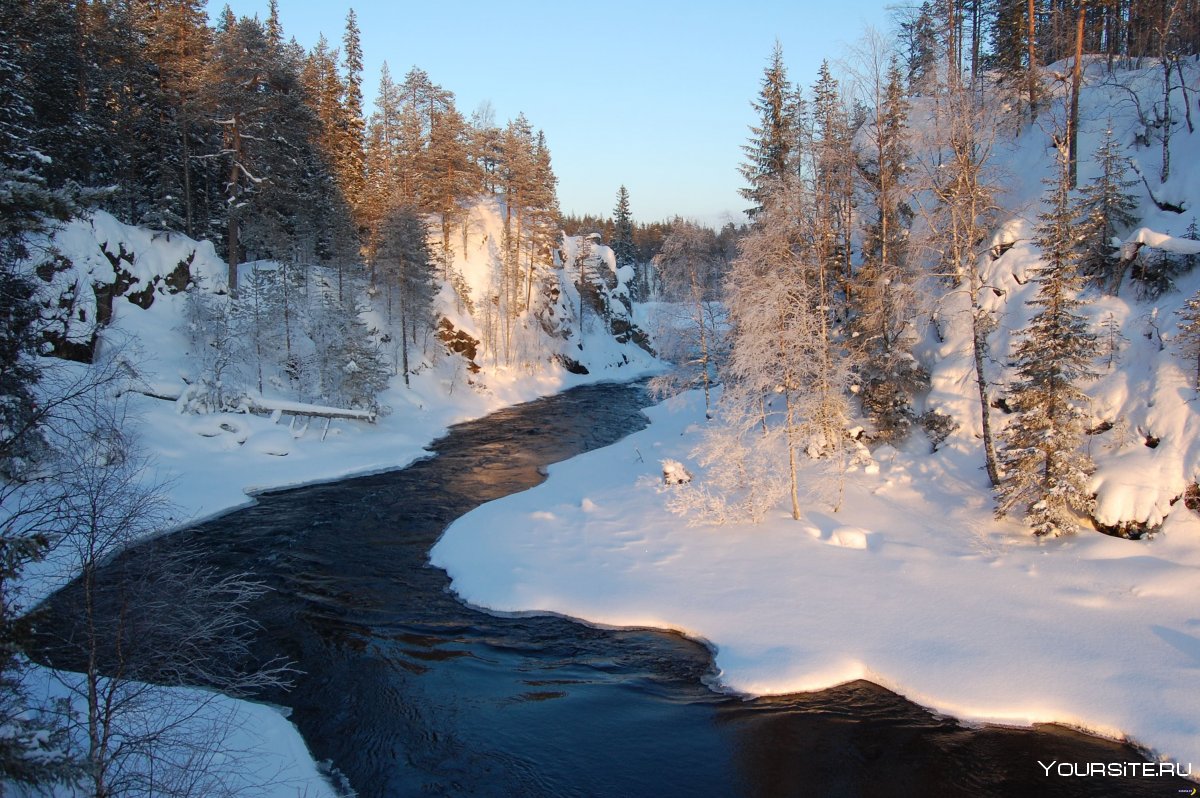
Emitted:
pixel 408 692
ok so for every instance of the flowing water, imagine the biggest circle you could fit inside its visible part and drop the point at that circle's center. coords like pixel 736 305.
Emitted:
pixel 406 691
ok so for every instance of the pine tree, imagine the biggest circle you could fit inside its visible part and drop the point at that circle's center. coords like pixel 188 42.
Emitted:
pixel 920 51
pixel 1046 467
pixel 543 217
pixel 177 41
pixel 421 101
pixel 485 146
pixel 518 181
pixel 447 179
pixel 239 70
pixel 1103 210
pixel 406 271
pixel 381 191
pixel 771 150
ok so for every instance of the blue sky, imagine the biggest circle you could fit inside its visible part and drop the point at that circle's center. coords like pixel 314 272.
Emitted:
pixel 655 95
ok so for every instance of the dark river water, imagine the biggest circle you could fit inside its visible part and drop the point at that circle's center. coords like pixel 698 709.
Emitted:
pixel 406 691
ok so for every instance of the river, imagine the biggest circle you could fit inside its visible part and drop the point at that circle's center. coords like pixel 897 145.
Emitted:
pixel 406 691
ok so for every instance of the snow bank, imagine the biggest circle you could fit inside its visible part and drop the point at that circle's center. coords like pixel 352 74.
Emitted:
pixel 912 585
pixel 262 753
pixel 1152 238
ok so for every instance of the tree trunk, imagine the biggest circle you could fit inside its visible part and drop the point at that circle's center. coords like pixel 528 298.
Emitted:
pixel 976 35
pixel 582 282
pixel 699 302
pixel 1165 172
pixel 404 337
pixel 188 213
pixel 1076 80
pixel 1187 101
pixel 529 280
pixel 979 341
pixel 232 235
pixel 791 444
pixel 1033 65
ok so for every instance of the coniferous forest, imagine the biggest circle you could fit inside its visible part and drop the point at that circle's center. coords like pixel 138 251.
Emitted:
pixel 966 247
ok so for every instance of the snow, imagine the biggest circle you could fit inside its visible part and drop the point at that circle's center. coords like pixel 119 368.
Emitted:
pixel 213 463
pixel 1151 238
pixel 674 473
pixel 912 585
pixel 216 462
pixel 262 753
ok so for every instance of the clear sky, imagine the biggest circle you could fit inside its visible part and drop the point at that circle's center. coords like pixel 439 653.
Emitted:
pixel 652 94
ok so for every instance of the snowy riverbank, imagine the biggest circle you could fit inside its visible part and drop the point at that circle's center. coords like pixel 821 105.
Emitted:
pixel 912 585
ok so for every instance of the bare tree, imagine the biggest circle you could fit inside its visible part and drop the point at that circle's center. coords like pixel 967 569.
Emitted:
pixel 781 345
pixel 35 740
pixel 692 321
pixel 134 626
pixel 958 175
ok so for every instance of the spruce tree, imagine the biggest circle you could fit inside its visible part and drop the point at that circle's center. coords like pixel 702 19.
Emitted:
pixel 921 51
pixel 624 248
pixel 1013 52
pixel 349 159
pixel 771 150
pixel 889 376
pixel 1104 209
pixel 1188 340
pixel 273 28
pixel 832 169
pixel 1046 467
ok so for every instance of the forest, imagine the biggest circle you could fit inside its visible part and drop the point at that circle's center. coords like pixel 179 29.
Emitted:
pixel 346 237
pixel 875 198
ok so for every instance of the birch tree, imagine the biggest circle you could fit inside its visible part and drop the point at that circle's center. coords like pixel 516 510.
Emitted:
pixel 790 380
pixel 961 180
pixel 688 265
